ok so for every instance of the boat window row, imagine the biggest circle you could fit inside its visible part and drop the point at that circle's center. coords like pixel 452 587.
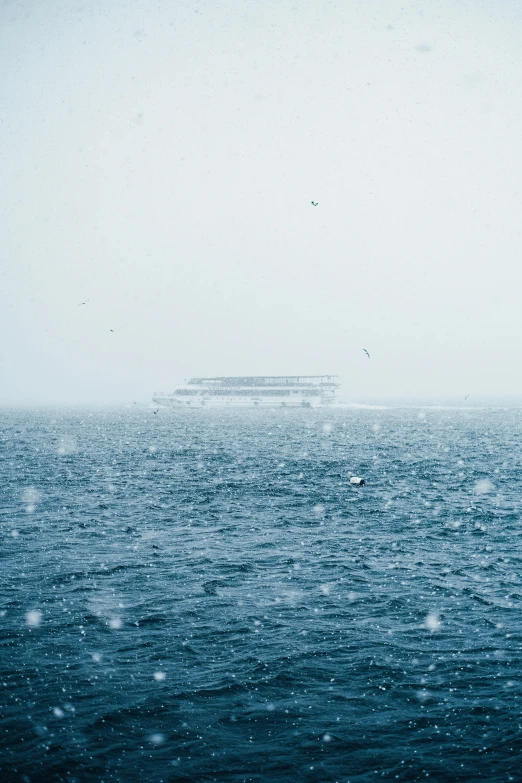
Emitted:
pixel 250 393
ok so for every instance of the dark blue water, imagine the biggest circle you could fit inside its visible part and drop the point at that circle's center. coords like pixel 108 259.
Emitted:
pixel 203 596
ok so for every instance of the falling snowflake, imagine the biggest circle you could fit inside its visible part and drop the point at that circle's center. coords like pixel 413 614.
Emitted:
pixel 33 618
pixel 156 739
pixel 483 486
pixel 432 622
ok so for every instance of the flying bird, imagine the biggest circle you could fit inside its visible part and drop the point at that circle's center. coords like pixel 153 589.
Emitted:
pixel 466 397
pixel 82 303
pixel 315 203
pixel 366 352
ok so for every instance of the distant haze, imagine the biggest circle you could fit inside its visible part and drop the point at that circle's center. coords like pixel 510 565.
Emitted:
pixel 159 159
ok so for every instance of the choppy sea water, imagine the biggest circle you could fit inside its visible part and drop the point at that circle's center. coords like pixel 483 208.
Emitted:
pixel 204 596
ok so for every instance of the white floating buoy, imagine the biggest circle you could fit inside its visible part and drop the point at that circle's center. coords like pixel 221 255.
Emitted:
pixel 356 480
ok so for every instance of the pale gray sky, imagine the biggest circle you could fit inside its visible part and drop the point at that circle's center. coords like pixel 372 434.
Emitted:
pixel 159 159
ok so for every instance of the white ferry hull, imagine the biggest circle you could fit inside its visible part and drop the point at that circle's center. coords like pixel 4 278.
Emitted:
pixel 210 402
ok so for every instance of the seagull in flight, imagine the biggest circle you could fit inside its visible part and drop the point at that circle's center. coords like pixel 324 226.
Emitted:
pixel 314 203
pixel 82 303
pixel 366 352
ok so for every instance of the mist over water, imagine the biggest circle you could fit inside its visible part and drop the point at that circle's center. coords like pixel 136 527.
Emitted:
pixel 242 188
pixel 204 596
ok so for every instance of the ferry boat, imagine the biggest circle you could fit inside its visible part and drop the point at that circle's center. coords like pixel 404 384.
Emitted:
pixel 263 391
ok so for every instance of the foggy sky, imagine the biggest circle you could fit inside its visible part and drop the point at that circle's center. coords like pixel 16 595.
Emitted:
pixel 160 158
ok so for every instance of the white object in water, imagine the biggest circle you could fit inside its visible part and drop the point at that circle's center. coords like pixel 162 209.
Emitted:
pixel 356 480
